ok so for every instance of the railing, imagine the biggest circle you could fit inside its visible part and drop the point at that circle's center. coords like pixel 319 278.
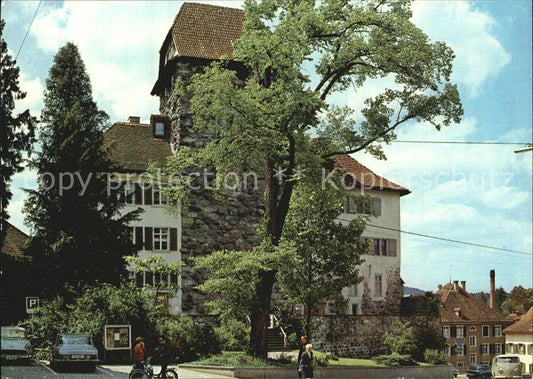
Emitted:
pixel 275 322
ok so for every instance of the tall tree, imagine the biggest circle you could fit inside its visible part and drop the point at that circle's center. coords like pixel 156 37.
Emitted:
pixel 79 235
pixel 17 134
pixel 299 53
pixel 327 251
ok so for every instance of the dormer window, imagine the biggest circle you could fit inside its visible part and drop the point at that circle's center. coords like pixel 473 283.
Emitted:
pixel 159 129
pixel 160 126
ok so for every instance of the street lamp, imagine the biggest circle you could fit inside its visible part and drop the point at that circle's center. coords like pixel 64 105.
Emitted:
pixel 525 149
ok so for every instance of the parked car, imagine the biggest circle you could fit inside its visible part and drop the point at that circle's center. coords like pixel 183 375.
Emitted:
pixel 479 372
pixel 15 346
pixel 455 371
pixel 507 366
pixel 75 350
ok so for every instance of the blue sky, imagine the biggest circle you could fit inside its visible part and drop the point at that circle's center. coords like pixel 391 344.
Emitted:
pixel 475 193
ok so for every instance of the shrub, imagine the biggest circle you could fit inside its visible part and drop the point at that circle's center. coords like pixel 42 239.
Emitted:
pixel 194 338
pixel 395 359
pixel 234 335
pixel 320 358
pixel 400 338
pixel 433 357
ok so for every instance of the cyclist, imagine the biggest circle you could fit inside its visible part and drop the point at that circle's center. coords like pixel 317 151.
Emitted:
pixel 163 354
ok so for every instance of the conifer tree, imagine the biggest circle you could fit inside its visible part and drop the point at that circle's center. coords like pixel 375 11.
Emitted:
pixel 17 130
pixel 79 236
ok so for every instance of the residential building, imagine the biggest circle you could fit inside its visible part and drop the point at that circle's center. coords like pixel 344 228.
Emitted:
pixel 14 275
pixel 201 34
pixel 473 331
pixel 519 341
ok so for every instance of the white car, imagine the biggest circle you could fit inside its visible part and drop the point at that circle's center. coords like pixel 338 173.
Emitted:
pixel 15 346
pixel 74 350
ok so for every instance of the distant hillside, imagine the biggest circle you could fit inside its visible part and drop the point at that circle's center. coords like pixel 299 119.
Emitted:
pixel 413 291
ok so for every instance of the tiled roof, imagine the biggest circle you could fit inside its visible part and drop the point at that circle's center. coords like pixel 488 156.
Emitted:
pixel 132 146
pixel 524 326
pixel 14 240
pixel 472 310
pixel 206 31
pixel 365 177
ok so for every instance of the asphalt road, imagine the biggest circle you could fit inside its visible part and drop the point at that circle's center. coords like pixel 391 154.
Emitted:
pixel 39 370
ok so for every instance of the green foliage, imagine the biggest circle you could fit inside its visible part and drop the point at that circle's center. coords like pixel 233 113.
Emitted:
pixel 395 359
pixel 236 359
pixel 96 307
pixel 434 357
pixel 427 305
pixel 400 338
pixel 195 338
pixel 428 337
pixel 234 335
pixel 17 131
pixel 520 300
pixel 79 235
pixel 320 359
pixel 264 116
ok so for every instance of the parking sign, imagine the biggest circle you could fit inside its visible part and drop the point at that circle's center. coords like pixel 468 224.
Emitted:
pixel 32 303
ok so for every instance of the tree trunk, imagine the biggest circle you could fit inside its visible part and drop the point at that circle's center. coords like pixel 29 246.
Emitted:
pixel 308 321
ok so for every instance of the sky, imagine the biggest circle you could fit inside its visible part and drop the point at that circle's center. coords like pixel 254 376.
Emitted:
pixel 480 194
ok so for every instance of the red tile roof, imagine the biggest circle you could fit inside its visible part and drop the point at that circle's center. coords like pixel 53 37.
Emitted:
pixel 365 177
pixel 524 326
pixel 131 147
pixel 472 310
pixel 206 31
pixel 14 240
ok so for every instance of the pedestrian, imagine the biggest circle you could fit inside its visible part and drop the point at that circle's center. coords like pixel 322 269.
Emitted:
pixel 305 366
pixel 303 342
pixel 164 355
pixel 138 353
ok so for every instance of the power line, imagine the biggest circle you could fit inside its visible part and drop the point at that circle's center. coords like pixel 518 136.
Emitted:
pixel 27 31
pixel 451 240
pixel 464 142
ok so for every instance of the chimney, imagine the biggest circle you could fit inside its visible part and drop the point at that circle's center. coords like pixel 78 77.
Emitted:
pixel 134 119
pixel 440 286
pixel 455 285
pixel 463 285
pixel 492 300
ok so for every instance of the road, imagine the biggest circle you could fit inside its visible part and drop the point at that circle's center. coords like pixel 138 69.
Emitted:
pixel 39 370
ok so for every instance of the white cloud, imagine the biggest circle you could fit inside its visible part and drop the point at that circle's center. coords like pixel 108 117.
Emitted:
pixel 34 95
pixel 470 33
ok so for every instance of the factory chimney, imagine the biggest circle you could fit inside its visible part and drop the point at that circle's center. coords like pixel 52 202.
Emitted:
pixel 492 301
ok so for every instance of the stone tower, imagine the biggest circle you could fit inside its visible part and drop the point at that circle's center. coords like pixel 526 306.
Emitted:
pixel 200 35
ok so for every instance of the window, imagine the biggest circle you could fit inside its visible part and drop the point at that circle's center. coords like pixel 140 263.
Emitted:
pixel 354 309
pixel 159 129
pixel 460 364
pixel 530 349
pixel 473 359
pixel 497 348
pixel 447 350
pixel 385 247
pixel 460 331
pixel 509 348
pixel 160 238
pixel 352 291
pixel 446 331
pixel 472 328
pixel 472 340
pixel 376 206
pixel 486 331
pixel 497 331
pixel 378 285
pixel 485 349
pixel 460 351
pixel 159 198
pixel 360 205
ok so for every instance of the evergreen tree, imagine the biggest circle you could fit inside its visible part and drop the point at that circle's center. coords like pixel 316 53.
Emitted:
pixel 79 236
pixel 17 130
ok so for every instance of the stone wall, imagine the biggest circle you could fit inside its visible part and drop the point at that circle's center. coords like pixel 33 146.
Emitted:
pixel 359 336
pixel 226 221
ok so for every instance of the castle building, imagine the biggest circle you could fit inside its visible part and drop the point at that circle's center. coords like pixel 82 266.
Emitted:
pixel 200 35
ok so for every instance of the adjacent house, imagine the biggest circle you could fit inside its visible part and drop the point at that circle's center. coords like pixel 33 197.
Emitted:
pixel 519 340
pixel 473 330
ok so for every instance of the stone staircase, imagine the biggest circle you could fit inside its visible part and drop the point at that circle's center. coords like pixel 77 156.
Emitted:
pixel 276 337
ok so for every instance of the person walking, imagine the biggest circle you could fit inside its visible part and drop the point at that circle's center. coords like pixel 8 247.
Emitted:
pixel 303 342
pixel 138 353
pixel 164 355
pixel 305 366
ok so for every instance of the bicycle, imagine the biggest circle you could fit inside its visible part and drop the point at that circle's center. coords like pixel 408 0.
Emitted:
pixel 147 372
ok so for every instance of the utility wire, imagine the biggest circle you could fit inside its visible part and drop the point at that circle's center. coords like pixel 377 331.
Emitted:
pixel 465 142
pixel 451 240
pixel 27 31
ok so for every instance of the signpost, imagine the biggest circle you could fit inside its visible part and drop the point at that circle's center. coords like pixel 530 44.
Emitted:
pixel 32 303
